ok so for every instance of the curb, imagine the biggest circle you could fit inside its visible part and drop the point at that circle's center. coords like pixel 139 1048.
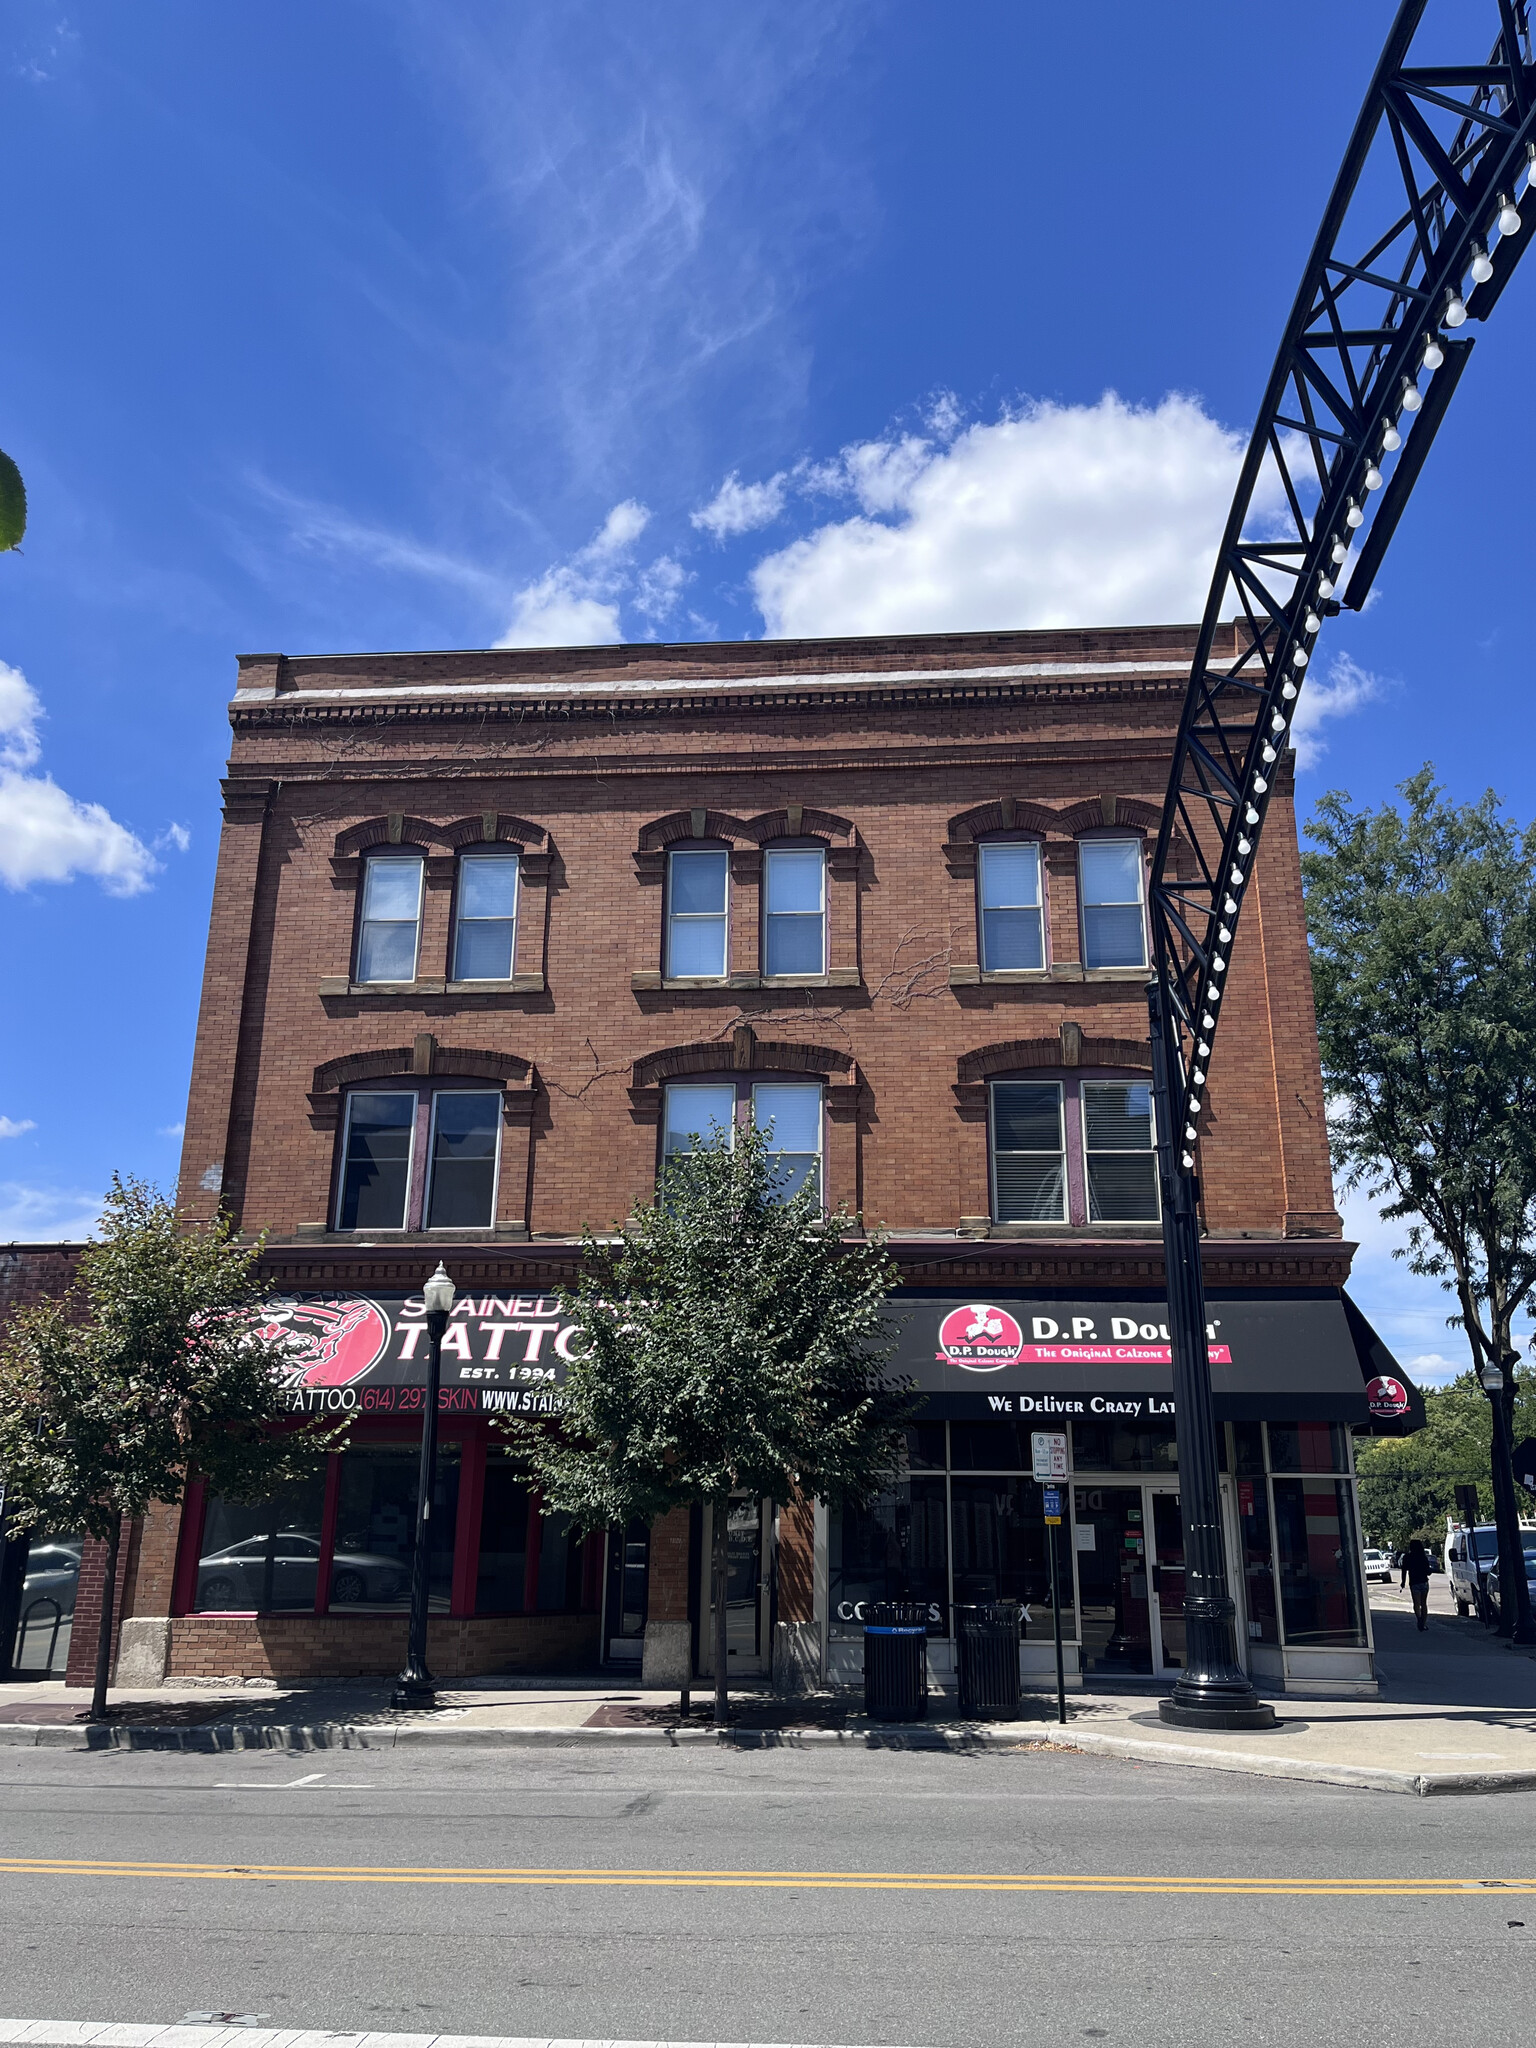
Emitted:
pixel 1362 1777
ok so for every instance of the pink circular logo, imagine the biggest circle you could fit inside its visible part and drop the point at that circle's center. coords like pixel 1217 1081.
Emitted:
pixel 1386 1396
pixel 324 1342
pixel 980 1338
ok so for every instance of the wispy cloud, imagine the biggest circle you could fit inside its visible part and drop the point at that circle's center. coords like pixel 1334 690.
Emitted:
pixel 43 1215
pixel 46 835
pixel 1346 689
pixel 171 1131
pixel 15 1127
pixel 742 508
pixel 576 602
pixel 333 534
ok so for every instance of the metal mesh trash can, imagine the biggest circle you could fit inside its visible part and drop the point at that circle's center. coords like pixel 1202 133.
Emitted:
pixel 988 1644
pixel 896 1660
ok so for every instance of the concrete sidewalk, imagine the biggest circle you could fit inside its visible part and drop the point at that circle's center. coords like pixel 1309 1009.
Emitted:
pixel 1457 1713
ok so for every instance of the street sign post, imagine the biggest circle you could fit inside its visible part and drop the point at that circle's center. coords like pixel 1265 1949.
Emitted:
pixel 1052 1498
pixel 1049 1447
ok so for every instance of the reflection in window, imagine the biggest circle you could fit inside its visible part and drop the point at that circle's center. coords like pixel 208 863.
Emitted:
pixel 794 896
pixel 391 921
pixel 1320 1597
pixel 696 917
pixel 895 1549
pixel 45 1620
pixel 1105 1444
pixel 1012 929
pixel 485 930
pixel 1114 934
pixel 507 1513
pixel 1029 1173
pixel 376 1526
pixel 1308 1447
pixel 261 1557
pixel 1000 1550
pixel 990 1446
pixel 1117 1145
pixel 465 1128
pixel 696 1113
pixel 790 1113
pixel 376 1162
pixel 1258 1569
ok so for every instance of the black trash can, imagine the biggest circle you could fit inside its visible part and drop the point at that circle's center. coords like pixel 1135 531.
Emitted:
pixel 988 1644
pixel 896 1660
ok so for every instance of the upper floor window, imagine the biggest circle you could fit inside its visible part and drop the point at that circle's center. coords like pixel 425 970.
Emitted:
pixel 697 881
pixel 1119 1163
pixel 789 1111
pixel 485 926
pixel 1073 1152
pixel 389 933
pixel 795 911
pixel 1012 927
pixel 1114 930
pixel 455 1135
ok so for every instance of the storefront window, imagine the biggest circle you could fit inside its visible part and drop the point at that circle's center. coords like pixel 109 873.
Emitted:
pixel 1248 1446
pixel 1308 1447
pixel 1000 1550
pixel 1320 1593
pixel 264 1557
pixel 1103 1444
pixel 895 1549
pixel 506 1510
pixel 376 1523
pixel 925 1447
pixel 1258 1569
pixel 989 1447
pixel 560 1561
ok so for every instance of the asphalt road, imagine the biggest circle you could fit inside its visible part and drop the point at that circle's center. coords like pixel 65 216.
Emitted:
pixel 831 1951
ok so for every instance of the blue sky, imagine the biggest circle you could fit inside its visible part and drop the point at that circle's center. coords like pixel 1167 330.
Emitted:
pixel 387 325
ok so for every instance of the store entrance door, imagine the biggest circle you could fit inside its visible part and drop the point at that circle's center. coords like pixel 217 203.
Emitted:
pixel 1130 1576
pixel 746 1599
pixel 1167 1589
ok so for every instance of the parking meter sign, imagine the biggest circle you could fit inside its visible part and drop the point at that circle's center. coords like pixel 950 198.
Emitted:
pixel 1052 1503
pixel 1050 1454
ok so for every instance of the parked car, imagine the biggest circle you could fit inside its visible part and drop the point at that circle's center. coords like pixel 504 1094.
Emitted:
pixel 1378 1565
pixel 236 1577
pixel 1528 1543
pixel 53 1569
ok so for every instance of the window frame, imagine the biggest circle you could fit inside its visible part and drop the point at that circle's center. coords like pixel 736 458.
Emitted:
pixel 744 1105
pixel 344 1156
pixel 429 1162
pixel 722 852
pixel 1083 1084
pixel 506 856
pixel 1083 905
pixel 1039 906
pixel 770 854
pixel 1062 1122
pixel 1070 1084
pixel 380 857
pixel 419 1166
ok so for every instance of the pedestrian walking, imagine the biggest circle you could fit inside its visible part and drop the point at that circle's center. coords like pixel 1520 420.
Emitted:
pixel 1416 1571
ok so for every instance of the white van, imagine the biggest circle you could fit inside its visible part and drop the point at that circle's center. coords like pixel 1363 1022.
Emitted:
pixel 1465 1551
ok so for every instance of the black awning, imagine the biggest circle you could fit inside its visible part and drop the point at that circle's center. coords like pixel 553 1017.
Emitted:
pixel 1395 1407
pixel 1282 1358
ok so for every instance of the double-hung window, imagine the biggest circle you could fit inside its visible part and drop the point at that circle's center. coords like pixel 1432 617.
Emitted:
pixel 795 911
pixel 696 1113
pixel 485 924
pixel 789 1114
pixel 454 1132
pixel 1120 1166
pixel 1012 927
pixel 1029 1155
pixel 1114 929
pixel 389 933
pixel 697 881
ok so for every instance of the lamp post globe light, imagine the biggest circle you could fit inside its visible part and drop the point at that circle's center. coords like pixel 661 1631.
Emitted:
pixel 414 1686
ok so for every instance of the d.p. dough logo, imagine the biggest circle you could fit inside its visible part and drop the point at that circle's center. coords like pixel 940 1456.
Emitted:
pixel 325 1342
pixel 1386 1396
pixel 980 1338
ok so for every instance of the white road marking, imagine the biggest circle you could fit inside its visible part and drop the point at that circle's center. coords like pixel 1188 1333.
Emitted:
pixel 265 1784
pixel 102 2034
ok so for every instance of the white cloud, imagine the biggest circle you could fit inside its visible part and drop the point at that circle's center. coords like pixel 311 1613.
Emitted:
pixel 46 835
pixel 576 603
pixel 175 837
pixel 659 588
pixel 1053 515
pixel 13 1127
pixel 45 1215
pixel 1346 688
pixel 172 1131
pixel 742 508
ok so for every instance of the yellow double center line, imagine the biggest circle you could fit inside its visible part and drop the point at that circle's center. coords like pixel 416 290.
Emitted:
pixel 779 1880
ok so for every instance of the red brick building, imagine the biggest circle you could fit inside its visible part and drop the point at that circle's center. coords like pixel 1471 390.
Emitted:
pixel 492 930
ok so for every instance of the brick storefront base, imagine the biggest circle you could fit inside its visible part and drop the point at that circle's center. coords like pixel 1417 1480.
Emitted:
pixel 298 1648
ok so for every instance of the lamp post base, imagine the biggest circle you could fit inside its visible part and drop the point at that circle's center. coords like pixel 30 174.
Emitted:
pixel 412 1691
pixel 1220 1706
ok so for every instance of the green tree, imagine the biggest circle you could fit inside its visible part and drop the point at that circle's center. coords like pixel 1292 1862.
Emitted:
pixel 147 1372
pixel 13 504
pixel 1423 932
pixel 1408 1484
pixel 734 1339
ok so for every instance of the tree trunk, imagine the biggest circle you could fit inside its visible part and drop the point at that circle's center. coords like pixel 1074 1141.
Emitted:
pixel 104 1626
pixel 720 1574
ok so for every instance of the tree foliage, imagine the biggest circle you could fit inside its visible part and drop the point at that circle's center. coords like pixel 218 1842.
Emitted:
pixel 13 504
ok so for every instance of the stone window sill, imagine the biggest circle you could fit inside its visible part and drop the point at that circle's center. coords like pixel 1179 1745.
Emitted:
pixel 309 1232
pixel 1149 1232
pixel 517 985
pixel 648 980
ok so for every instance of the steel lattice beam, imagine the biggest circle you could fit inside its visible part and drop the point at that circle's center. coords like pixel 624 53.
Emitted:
pixel 1410 247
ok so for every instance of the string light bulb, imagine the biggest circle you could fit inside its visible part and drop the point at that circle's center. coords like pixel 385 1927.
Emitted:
pixel 1373 478
pixel 1509 215
pixel 1325 587
pixel 1455 313
pixel 1313 623
pixel 1288 689
pixel 1354 516
pixel 1339 550
pixel 1391 439
pixel 1413 398
pixel 1482 268
pixel 1434 354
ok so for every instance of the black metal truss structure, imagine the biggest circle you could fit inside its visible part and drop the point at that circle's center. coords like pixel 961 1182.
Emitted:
pixel 1420 235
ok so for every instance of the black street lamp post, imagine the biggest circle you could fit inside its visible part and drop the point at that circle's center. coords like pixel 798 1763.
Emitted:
pixel 1515 1617
pixel 414 1686
pixel 1213 1690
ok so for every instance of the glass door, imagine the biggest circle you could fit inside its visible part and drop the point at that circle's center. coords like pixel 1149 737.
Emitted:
pixel 1110 1535
pixel 1167 1556
pixel 746 1594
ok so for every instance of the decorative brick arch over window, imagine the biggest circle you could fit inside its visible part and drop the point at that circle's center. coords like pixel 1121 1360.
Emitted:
pixel 745 839
pixel 441 844
pixel 745 1053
